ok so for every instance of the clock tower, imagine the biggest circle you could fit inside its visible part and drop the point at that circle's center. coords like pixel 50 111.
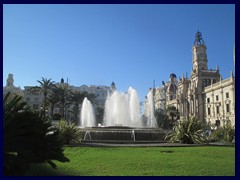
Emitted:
pixel 199 58
pixel 201 77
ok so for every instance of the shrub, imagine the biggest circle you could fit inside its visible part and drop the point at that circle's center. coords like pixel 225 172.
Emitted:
pixel 188 131
pixel 27 138
pixel 225 133
pixel 69 132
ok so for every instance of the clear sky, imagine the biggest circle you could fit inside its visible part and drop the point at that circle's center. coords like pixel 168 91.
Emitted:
pixel 132 45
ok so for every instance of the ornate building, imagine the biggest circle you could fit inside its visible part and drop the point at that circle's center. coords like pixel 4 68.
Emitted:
pixel 191 96
pixel 11 88
pixel 220 102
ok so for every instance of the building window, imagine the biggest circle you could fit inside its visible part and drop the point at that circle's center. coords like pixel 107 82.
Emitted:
pixel 227 95
pixel 35 99
pixel 216 98
pixel 209 111
pixel 217 109
pixel 227 108
pixel 217 123
pixel 28 99
pixel 208 100
pixel 208 82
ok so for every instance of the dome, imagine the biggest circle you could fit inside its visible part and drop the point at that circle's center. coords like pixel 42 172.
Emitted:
pixel 173 75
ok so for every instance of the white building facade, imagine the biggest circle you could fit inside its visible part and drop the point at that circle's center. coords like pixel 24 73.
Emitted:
pixel 220 102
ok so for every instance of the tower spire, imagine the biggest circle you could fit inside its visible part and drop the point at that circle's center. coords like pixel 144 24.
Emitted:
pixel 198 38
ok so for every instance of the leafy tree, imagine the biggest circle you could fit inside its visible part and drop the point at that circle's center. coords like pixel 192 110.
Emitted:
pixel 27 138
pixel 188 131
pixel 100 115
pixel 173 113
pixel 77 98
pixel 91 97
pixel 162 119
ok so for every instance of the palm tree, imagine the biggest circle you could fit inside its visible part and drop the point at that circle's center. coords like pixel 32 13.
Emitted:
pixel 45 87
pixel 63 92
pixel 77 98
pixel 52 99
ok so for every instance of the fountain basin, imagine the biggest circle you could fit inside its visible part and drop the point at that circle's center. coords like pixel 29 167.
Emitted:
pixel 123 134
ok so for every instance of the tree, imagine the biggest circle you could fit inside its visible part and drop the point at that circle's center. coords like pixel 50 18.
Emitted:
pixel 27 138
pixel 77 98
pixel 45 87
pixel 162 119
pixel 63 92
pixel 173 114
pixel 52 99
pixel 100 115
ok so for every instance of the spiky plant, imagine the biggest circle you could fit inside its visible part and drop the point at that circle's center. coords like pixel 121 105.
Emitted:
pixel 188 131
pixel 27 138
pixel 225 133
pixel 69 132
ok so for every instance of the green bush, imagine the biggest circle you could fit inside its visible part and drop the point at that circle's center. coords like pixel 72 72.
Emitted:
pixel 27 138
pixel 188 131
pixel 225 133
pixel 163 120
pixel 69 132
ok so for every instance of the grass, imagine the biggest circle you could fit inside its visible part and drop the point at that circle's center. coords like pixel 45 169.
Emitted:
pixel 143 161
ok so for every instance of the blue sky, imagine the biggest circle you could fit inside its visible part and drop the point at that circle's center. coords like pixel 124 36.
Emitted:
pixel 132 45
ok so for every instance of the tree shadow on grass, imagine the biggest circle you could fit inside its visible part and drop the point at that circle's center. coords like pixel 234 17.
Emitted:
pixel 45 170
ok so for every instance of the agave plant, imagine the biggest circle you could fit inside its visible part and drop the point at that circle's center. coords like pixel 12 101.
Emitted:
pixel 69 132
pixel 189 131
pixel 27 138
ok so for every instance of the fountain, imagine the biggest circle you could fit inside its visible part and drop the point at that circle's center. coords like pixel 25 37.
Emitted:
pixel 151 120
pixel 87 114
pixel 123 109
pixel 122 122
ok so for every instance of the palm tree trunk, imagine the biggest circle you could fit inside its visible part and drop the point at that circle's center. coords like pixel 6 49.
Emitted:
pixel 44 106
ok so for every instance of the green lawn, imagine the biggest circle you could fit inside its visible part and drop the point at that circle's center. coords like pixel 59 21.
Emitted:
pixel 143 161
